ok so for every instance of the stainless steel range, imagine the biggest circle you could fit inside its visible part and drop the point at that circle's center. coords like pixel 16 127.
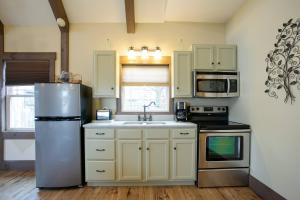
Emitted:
pixel 223 148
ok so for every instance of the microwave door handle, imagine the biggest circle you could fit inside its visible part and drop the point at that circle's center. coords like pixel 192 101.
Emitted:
pixel 228 86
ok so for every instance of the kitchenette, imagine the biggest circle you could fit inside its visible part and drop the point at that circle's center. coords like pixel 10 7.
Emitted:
pixel 149 140
pixel 149 99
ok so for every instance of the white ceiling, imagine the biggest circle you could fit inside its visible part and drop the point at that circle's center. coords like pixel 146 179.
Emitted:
pixel 26 12
pixel 38 12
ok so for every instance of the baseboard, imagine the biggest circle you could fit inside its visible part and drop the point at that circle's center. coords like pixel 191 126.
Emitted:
pixel 19 165
pixel 2 166
pixel 263 191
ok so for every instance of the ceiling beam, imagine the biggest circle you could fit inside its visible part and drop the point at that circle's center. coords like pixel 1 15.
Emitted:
pixel 1 37
pixel 130 19
pixel 59 12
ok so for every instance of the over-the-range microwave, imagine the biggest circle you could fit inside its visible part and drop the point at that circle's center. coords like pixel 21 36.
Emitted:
pixel 216 84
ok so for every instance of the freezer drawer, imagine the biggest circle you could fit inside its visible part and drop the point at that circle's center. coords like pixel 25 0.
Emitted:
pixel 57 100
pixel 58 153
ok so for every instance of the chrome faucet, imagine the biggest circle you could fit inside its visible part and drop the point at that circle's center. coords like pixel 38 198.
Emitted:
pixel 145 115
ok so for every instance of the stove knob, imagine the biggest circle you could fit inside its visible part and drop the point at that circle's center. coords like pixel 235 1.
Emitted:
pixel 192 109
pixel 197 108
pixel 224 109
pixel 219 108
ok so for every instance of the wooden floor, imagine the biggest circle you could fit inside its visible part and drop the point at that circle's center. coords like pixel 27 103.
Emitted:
pixel 21 185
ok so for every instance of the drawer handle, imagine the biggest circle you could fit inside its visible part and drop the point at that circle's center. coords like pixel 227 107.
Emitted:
pixel 100 171
pixel 100 133
pixel 184 133
pixel 100 149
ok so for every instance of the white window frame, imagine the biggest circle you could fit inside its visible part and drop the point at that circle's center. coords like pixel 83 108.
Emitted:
pixel 168 84
pixel 7 114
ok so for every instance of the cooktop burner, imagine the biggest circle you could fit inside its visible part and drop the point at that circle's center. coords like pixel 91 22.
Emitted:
pixel 214 118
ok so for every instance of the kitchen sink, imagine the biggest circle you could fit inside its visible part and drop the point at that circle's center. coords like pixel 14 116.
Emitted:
pixel 132 123
pixel 156 123
pixel 143 123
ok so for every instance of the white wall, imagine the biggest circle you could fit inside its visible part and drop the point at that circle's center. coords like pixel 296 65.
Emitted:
pixel 276 129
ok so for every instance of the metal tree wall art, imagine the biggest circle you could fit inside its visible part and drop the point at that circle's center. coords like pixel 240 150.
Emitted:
pixel 283 63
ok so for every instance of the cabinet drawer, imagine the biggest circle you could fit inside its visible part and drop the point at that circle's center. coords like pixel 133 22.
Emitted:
pixel 100 170
pixel 129 133
pixel 100 149
pixel 156 133
pixel 103 133
pixel 183 133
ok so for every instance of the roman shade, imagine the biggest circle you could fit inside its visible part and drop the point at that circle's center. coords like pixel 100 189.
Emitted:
pixel 25 72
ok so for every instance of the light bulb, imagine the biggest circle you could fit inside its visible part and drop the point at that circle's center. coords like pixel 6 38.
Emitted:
pixel 144 53
pixel 157 54
pixel 131 53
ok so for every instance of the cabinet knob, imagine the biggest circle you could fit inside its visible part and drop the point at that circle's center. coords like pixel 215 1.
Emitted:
pixel 177 88
pixel 112 88
pixel 212 63
pixel 148 148
pixel 175 148
pixel 219 63
pixel 140 148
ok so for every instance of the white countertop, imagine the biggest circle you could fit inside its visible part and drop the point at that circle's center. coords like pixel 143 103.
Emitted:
pixel 131 124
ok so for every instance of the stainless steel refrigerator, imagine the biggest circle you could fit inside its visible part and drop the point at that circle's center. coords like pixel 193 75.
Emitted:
pixel 60 111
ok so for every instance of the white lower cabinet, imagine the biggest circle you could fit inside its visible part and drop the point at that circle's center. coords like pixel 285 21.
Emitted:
pixel 183 159
pixel 130 160
pixel 100 170
pixel 157 159
pixel 140 156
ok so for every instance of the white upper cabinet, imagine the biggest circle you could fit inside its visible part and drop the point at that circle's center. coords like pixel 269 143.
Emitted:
pixel 214 57
pixel 105 74
pixel 203 56
pixel 183 63
pixel 226 57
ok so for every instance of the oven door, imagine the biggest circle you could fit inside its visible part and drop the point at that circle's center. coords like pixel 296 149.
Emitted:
pixel 224 149
pixel 216 85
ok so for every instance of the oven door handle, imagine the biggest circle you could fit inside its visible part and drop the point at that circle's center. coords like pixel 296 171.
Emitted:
pixel 226 131
pixel 228 86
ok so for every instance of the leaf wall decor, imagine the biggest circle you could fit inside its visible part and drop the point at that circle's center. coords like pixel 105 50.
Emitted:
pixel 283 62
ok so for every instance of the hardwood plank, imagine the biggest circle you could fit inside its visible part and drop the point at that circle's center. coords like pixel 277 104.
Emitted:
pixel 130 19
pixel 21 186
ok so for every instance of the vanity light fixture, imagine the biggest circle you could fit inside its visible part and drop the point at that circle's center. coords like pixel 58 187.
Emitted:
pixel 144 53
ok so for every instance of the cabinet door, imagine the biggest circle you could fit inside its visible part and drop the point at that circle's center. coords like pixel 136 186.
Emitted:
pixel 129 159
pixel 183 74
pixel 157 159
pixel 183 160
pixel 104 74
pixel 226 57
pixel 203 57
